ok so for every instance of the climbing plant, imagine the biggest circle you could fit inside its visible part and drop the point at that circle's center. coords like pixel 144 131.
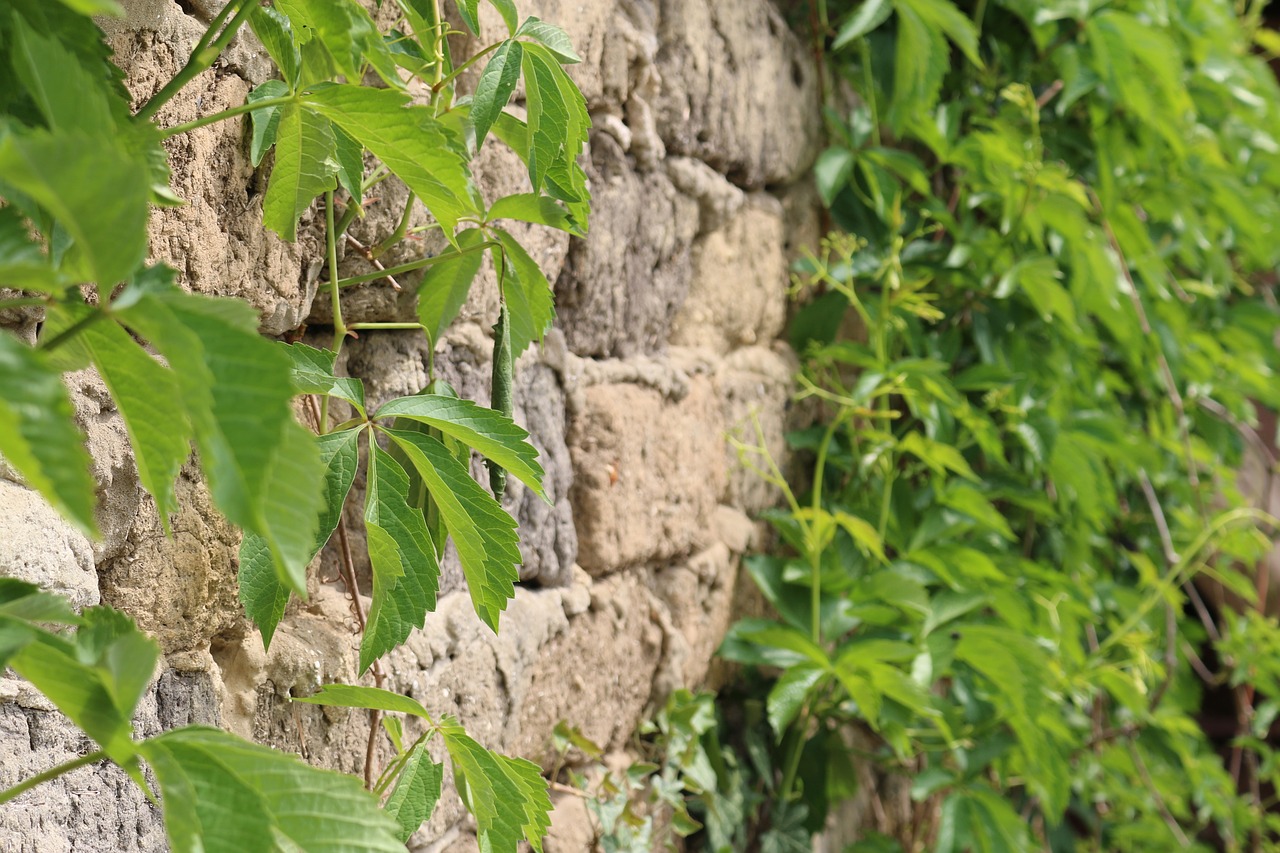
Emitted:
pixel 1040 338
pixel 79 170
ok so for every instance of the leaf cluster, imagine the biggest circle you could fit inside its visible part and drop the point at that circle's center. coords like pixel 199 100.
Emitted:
pixel 79 170
pixel 1056 235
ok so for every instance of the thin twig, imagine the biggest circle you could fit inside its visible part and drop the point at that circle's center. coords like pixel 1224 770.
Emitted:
pixel 1166 373
pixel 349 579
pixel 1049 94
pixel 367 254
pixel 1199 666
pixel 1169 819
pixel 1170 616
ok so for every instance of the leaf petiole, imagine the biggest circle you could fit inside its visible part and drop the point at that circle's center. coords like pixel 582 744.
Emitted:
pixel 411 266
pixel 446 80
pixel 206 51
pixel 266 103
pixel 386 327
pixel 52 773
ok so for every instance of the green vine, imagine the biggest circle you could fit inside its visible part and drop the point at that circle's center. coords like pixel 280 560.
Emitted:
pixel 78 172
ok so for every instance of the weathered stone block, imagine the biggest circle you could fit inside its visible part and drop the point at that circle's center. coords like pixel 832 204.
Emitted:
pixel 738 293
pixel 648 473
pixel 622 285
pixel 181 589
pixel 739 90
pixel 698 598
pixel 38 546
pixel 754 385
pixel 215 241
pixel 97 807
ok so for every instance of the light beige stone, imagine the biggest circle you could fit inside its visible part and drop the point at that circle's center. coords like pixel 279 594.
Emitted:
pixel 739 90
pixel 698 596
pixel 215 240
pixel 180 588
pixel 738 293
pixel 754 386
pixel 648 473
pixel 38 546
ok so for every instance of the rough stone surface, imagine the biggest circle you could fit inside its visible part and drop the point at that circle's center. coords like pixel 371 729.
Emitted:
pixel 97 807
pixel 738 91
pixel 38 546
pixel 734 295
pixel 622 285
pixel 215 241
pixel 754 386
pixel 704 119
pixel 648 473
pixel 181 588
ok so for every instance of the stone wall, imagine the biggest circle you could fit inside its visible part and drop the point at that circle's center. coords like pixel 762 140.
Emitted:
pixel 705 116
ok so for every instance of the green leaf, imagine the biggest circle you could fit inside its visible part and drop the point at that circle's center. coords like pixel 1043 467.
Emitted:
pixel 25 601
pixel 943 15
pixel 409 141
pixel 146 393
pixel 266 121
pixel 493 91
pixel 863 533
pixel 784 638
pixel 869 15
pixel 263 468
pixel 313 374
pixel 221 793
pixel 95 677
pixel 275 31
pixel 482 531
pixel 469 10
pixel 349 155
pixel 417 790
pixel 508 796
pixel 262 592
pixel 832 172
pixel 94 191
pixel 406 571
pixel 96 7
pixel 38 434
pixel 64 90
pixel 538 209
pixel 507 9
pixel 551 37
pixel 548 115
pixel 527 292
pixel 445 285
pixel 418 495
pixel 978 820
pixel 938 456
pixel 372 698
pixel 789 693
pixel 304 169
pixel 490 433
pixel 921 59
pixel 348 34
pixel 23 264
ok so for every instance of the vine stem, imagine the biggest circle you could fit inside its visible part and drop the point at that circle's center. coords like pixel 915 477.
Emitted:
pixel 452 75
pixel 74 329
pixel 404 268
pixel 232 112
pixel 204 55
pixel 52 773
